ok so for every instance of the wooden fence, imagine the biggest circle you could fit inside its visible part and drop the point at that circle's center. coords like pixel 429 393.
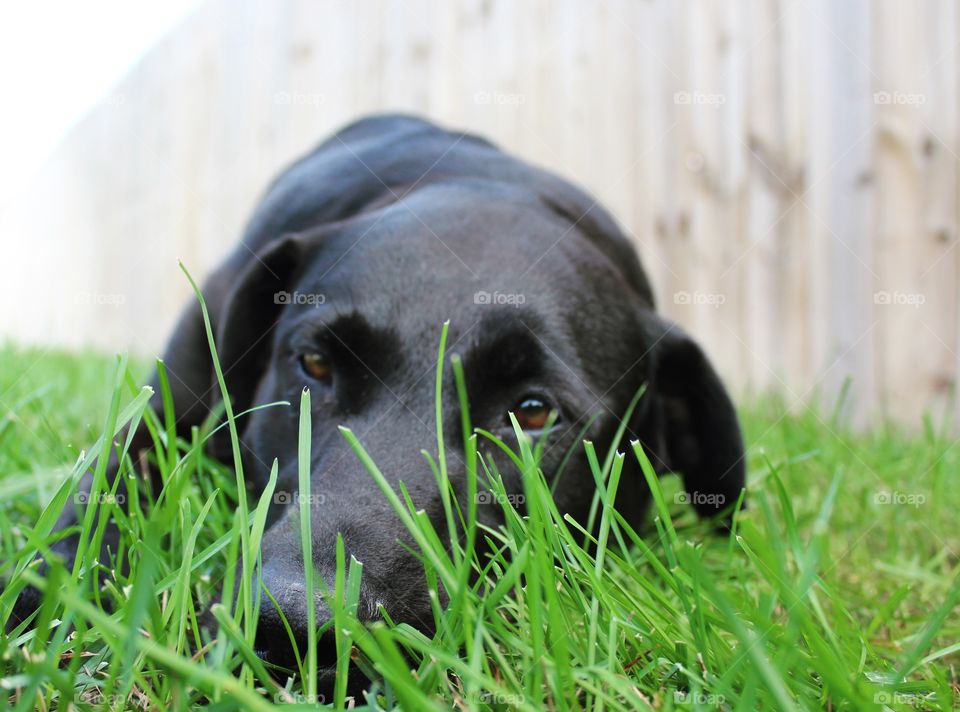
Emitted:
pixel 788 169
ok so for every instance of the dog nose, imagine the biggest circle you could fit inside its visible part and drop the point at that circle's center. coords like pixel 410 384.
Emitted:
pixel 283 618
pixel 273 642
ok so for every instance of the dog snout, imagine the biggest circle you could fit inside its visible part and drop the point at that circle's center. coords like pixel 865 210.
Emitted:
pixel 391 581
pixel 282 628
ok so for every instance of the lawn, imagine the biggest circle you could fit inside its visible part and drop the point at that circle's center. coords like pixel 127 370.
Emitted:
pixel 837 589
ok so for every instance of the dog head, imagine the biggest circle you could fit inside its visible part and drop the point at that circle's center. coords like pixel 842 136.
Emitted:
pixel 548 308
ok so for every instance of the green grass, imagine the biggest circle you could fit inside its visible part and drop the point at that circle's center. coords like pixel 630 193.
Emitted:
pixel 838 588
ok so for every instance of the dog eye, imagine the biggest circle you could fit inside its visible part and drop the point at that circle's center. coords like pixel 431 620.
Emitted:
pixel 316 366
pixel 532 413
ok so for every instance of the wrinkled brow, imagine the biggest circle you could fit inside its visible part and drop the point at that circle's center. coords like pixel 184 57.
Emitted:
pixel 505 348
pixel 341 331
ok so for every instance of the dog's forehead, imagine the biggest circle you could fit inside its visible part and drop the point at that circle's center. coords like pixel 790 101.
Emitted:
pixel 473 226
pixel 443 254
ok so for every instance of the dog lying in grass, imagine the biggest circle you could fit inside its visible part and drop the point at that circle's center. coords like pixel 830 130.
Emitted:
pixel 354 258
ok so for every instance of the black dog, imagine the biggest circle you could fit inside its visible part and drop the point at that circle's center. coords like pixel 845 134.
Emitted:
pixel 355 257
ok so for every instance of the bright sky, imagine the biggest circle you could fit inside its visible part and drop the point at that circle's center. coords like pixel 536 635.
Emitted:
pixel 58 58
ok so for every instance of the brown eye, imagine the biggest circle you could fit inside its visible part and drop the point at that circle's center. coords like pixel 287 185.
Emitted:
pixel 316 366
pixel 532 413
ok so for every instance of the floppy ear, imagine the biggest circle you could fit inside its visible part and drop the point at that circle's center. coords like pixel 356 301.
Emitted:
pixel 250 312
pixel 698 424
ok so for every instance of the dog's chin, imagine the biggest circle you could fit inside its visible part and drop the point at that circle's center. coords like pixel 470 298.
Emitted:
pixel 282 663
pixel 280 658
